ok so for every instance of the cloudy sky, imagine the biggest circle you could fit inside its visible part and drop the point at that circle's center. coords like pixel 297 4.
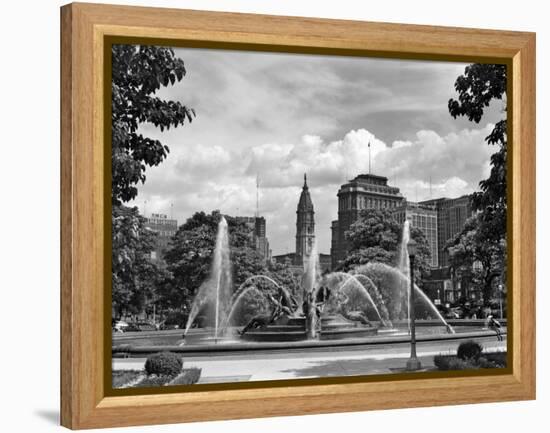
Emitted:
pixel 280 115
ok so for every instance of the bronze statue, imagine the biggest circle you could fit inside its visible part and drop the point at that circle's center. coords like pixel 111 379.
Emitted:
pixel 354 316
pixel 280 308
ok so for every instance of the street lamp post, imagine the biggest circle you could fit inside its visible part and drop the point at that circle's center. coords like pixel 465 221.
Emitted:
pixel 413 363
pixel 500 292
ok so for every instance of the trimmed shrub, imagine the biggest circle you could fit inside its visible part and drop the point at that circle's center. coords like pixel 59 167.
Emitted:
pixel 164 364
pixel 469 350
pixel 188 377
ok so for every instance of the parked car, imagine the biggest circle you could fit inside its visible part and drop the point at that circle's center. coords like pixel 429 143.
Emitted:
pixel 119 326
pixel 174 320
pixel 146 326
pixel 454 313
pixel 165 326
pixel 132 327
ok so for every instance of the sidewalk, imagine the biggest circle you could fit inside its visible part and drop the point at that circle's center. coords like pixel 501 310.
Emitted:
pixel 301 364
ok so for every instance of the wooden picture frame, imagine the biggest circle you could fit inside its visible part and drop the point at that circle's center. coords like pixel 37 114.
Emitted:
pixel 84 272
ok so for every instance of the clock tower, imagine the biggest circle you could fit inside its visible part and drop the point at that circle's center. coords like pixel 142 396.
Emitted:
pixel 305 225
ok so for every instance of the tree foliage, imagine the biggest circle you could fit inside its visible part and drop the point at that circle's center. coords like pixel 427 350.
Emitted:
pixel 477 88
pixel 483 239
pixel 376 237
pixel 138 72
pixel 135 276
pixel 475 244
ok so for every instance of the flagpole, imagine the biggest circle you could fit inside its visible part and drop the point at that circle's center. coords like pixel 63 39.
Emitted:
pixel 369 157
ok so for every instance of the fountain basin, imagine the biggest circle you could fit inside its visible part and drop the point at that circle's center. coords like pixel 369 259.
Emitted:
pixel 195 347
pixel 333 327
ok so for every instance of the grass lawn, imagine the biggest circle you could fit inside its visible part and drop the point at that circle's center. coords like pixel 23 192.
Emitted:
pixel 121 378
pixel 486 360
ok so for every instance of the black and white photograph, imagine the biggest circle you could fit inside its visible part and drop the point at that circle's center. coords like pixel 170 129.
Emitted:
pixel 281 216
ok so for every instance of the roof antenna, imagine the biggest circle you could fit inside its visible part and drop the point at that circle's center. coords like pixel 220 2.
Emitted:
pixel 257 195
pixel 430 186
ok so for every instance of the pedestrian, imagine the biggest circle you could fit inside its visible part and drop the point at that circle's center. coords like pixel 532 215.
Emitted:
pixel 495 325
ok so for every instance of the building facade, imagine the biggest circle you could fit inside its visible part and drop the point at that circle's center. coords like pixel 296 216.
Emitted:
pixel 452 214
pixel 366 191
pixel 423 217
pixel 445 283
pixel 257 234
pixel 165 228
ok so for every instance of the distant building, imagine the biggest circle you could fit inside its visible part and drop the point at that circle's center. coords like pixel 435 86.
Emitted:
pixel 262 244
pixel 423 217
pixel 257 233
pixel 452 214
pixel 325 262
pixel 449 285
pixel 446 283
pixel 305 235
pixel 165 228
pixel 366 191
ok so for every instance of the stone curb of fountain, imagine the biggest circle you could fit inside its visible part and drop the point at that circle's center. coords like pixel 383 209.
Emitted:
pixel 419 323
pixel 130 351
pixel 145 334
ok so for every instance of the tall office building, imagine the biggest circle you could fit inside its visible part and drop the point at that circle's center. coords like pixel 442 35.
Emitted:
pixel 366 191
pixel 257 234
pixel 423 217
pixel 452 214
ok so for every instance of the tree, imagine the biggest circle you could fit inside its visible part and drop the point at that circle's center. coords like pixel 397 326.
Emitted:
pixel 376 237
pixel 481 84
pixel 483 238
pixel 135 276
pixel 137 73
pixel 472 245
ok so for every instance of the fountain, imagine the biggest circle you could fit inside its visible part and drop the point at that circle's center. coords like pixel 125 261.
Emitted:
pixel 313 321
pixel 335 306
pixel 214 292
pixel 368 305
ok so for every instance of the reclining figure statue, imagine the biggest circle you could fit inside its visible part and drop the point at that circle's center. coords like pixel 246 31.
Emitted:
pixel 354 315
pixel 281 307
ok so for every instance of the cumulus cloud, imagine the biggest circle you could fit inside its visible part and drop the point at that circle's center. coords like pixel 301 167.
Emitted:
pixel 430 157
pixel 325 163
pixel 452 164
pixel 211 177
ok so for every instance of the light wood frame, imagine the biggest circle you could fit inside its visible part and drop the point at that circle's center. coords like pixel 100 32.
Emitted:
pixel 84 403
